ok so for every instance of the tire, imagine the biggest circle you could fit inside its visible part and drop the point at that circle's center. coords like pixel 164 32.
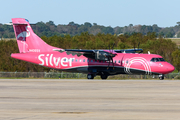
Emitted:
pixel 90 76
pixel 103 76
pixel 161 77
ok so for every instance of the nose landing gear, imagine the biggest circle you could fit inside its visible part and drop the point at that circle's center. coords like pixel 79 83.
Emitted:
pixel 161 77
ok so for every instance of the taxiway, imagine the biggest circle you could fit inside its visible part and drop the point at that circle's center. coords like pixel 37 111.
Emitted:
pixel 72 99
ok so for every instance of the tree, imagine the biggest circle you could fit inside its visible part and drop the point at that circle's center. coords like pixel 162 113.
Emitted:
pixel 169 35
pixel 94 24
pixel 71 23
pixel 87 24
pixel 178 23
pixel 176 59
pixel 130 25
pixel 107 30
pixel 50 23
pixel 86 40
pixel 161 34
pixel 178 35
pixel 82 29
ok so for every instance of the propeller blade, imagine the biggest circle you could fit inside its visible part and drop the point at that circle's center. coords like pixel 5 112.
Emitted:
pixel 111 55
pixel 138 45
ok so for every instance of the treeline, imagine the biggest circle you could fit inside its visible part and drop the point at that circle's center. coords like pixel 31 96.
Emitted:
pixel 149 42
pixel 50 29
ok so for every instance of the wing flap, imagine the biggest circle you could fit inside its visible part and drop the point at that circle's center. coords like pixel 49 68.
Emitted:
pixel 129 50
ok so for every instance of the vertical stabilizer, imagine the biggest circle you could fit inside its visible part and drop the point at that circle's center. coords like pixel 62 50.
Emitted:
pixel 27 40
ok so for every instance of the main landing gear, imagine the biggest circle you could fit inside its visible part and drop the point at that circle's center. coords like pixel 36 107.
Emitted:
pixel 161 77
pixel 91 76
pixel 103 76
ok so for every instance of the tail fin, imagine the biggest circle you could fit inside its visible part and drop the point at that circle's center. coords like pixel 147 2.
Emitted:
pixel 27 40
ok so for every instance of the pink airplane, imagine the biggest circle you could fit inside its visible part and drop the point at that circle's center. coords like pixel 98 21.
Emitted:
pixel 91 62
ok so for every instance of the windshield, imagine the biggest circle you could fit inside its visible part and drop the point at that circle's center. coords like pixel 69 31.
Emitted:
pixel 157 60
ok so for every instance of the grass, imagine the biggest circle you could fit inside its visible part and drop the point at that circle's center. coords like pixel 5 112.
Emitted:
pixel 176 40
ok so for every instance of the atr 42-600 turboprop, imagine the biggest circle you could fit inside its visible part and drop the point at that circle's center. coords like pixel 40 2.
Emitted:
pixel 92 62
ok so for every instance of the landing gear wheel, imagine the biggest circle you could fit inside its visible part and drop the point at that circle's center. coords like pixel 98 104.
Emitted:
pixel 90 76
pixel 103 76
pixel 161 77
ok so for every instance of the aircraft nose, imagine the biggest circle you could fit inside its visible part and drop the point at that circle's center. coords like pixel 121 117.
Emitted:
pixel 170 68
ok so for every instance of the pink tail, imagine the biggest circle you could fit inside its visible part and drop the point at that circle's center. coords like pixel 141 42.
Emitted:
pixel 27 40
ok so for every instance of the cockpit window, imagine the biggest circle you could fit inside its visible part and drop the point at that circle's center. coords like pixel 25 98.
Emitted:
pixel 157 60
pixel 161 59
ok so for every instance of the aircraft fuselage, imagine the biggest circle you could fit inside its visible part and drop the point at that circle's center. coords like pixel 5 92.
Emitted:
pixel 124 63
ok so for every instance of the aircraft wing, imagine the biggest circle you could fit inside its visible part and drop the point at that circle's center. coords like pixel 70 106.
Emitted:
pixel 77 52
pixel 92 54
pixel 105 55
pixel 94 51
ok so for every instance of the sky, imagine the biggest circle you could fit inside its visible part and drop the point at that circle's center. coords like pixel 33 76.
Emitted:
pixel 164 13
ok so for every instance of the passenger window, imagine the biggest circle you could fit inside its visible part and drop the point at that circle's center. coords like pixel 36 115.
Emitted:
pixel 119 61
pixel 84 60
pixel 115 61
pixel 79 60
pixel 88 60
pixel 91 60
pixel 76 60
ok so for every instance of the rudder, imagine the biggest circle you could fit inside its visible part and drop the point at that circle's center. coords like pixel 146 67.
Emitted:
pixel 27 40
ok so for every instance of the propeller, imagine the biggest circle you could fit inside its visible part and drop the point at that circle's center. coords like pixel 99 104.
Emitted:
pixel 138 45
pixel 138 48
pixel 111 55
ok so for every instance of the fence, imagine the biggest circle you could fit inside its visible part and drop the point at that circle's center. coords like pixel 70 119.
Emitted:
pixel 79 75
pixel 7 39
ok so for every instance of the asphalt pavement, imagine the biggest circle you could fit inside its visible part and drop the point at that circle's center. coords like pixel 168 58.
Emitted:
pixel 74 99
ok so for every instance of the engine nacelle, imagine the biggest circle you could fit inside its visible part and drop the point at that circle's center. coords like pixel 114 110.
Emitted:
pixel 102 55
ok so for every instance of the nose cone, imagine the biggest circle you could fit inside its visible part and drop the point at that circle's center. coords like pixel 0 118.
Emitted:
pixel 170 68
pixel 162 67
